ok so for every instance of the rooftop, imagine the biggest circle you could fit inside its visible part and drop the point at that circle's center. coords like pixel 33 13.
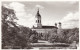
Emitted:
pixel 45 27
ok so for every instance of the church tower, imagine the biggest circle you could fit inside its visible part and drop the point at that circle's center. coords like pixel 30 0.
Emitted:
pixel 38 20
pixel 59 26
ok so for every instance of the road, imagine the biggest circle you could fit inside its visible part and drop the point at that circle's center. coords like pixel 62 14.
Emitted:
pixel 45 44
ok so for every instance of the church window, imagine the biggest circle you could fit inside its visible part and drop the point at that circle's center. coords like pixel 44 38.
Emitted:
pixel 38 21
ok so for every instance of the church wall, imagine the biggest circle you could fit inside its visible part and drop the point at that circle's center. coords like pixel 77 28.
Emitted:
pixel 45 33
pixel 45 30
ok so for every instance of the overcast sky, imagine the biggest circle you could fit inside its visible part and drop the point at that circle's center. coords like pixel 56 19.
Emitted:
pixel 66 12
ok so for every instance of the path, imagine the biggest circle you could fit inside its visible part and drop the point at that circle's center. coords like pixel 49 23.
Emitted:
pixel 42 41
pixel 45 44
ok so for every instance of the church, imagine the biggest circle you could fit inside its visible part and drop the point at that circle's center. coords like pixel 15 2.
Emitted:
pixel 41 29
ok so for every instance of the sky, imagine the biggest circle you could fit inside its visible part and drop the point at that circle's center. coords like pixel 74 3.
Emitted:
pixel 66 12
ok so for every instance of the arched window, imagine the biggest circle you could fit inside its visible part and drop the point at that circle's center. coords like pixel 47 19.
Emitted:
pixel 38 21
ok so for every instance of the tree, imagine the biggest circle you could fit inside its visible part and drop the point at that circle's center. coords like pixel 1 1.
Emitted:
pixel 13 35
pixel 73 35
pixel 8 17
pixel 34 37
pixel 68 35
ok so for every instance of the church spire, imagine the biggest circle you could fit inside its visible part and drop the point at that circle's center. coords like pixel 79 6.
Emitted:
pixel 38 14
pixel 38 11
pixel 38 19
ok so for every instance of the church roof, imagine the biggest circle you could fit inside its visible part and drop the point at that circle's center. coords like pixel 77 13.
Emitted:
pixel 45 27
pixel 38 14
pixel 49 27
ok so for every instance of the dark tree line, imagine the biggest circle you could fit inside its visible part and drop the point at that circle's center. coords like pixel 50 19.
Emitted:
pixel 14 35
pixel 63 36
pixel 66 36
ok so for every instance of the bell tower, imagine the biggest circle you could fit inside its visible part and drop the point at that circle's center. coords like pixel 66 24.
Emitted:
pixel 59 26
pixel 38 20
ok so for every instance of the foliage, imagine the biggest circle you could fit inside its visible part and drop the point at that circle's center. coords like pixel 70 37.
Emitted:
pixel 65 36
pixel 34 37
pixel 73 35
pixel 68 35
pixel 53 38
pixel 7 37
pixel 14 36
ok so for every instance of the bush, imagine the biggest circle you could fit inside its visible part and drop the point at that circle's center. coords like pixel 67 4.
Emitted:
pixel 65 36
pixel 34 37
pixel 53 38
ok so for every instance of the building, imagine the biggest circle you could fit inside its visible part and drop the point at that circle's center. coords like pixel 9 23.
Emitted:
pixel 41 29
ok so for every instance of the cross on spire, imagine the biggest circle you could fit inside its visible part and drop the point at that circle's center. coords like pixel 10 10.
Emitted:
pixel 38 10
